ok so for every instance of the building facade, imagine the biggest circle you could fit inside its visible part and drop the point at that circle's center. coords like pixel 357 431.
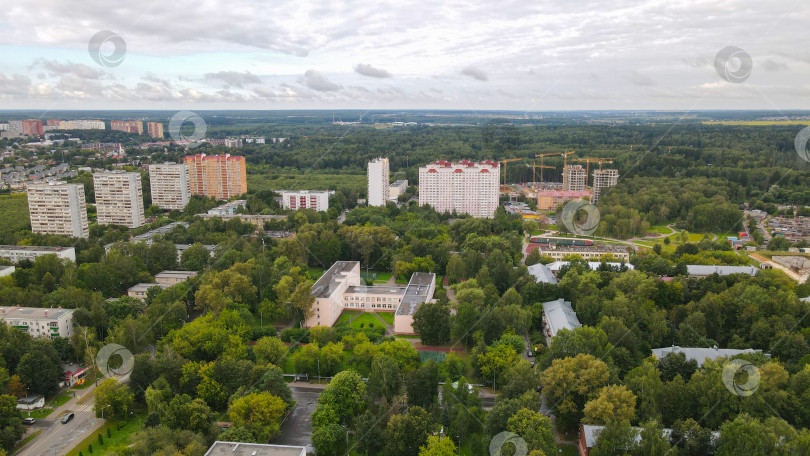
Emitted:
pixel 595 253
pixel 397 188
pixel 119 198
pixel 602 180
pixel 127 126
pixel 378 181
pixel 155 129
pixel 551 199
pixel 32 127
pixel 17 253
pixel 39 322
pixel 464 187
pixel 171 278
pixel 575 176
pixel 57 207
pixel 317 200
pixel 218 176
pixel 170 185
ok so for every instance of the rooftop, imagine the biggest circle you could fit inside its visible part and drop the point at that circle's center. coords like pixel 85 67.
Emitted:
pixel 158 231
pixel 560 315
pixel 594 265
pixel 376 290
pixel 542 273
pixel 577 248
pixel 33 313
pixel 699 269
pixel 329 280
pixel 701 354
pixel 143 287
pixel 34 248
pixel 253 449
pixel 178 274
pixel 417 292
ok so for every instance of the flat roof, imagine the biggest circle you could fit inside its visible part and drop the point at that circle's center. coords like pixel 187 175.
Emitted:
pixel 582 248
pixel 162 230
pixel 253 449
pixel 35 248
pixel 326 284
pixel 146 286
pixel 176 274
pixel 34 313
pixel 701 354
pixel 375 290
pixel 416 293
pixel 699 269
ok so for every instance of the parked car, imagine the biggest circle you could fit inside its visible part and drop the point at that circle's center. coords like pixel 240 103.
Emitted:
pixel 29 421
pixel 530 353
pixel 66 419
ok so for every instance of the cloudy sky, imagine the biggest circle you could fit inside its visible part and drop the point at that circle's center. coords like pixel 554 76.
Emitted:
pixel 466 54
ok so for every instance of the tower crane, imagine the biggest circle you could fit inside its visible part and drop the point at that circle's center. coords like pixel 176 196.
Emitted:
pixel 504 162
pixel 534 167
pixel 543 156
pixel 590 160
pixel 565 163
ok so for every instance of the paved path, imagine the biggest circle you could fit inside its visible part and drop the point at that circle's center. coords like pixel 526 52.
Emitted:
pixel 297 428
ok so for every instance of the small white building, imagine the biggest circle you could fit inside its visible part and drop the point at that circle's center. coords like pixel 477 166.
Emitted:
pixel 558 315
pixel 16 253
pixel 138 291
pixel 29 403
pixel 397 188
pixel 39 322
pixel 306 199
pixel 173 277
pixel 701 354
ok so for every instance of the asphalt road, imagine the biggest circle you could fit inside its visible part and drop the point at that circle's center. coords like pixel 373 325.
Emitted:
pixel 57 438
pixel 297 428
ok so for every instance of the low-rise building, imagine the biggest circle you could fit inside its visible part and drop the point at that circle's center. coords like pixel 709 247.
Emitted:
pixel 17 253
pixel 150 235
pixel 6 270
pixel 595 252
pixel 183 247
pixel 397 188
pixel 542 273
pixel 229 208
pixel 29 403
pixel 173 277
pixel 700 270
pixel 254 449
pixel 701 354
pixel 551 199
pixel 39 321
pixel 558 315
pixel 317 200
pixel 139 291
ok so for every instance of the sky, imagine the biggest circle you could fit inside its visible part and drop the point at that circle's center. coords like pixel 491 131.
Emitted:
pixel 527 55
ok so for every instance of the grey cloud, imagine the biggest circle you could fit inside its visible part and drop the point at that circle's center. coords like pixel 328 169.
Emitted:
pixel 475 73
pixel 234 78
pixel 316 81
pixel 640 79
pixel 16 85
pixel 772 65
pixel 368 70
pixel 56 68
pixel 151 77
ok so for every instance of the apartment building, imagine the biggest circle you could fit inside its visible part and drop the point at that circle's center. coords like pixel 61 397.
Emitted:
pixel 397 188
pixel 39 322
pixel 218 176
pixel 119 198
pixel 127 126
pixel 306 199
pixel 171 278
pixel 551 199
pixel 341 287
pixel 378 181
pixel 154 129
pixel 81 125
pixel 171 185
pixel 57 207
pixel 140 290
pixel 17 253
pixel 464 187
pixel 31 127
pixel 574 178
pixel 602 180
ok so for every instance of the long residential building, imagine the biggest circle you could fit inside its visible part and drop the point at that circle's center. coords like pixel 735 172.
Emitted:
pixel 59 208
pixel 127 126
pixel 155 129
pixel 170 185
pixel 17 253
pixel 575 176
pixel 378 182
pixel 317 200
pixel 341 287
pixel 701 354
pixel 595 252
pixel 39 322
pixel 218 176
pixel 119 198
pixel 602 180
pixel 463 187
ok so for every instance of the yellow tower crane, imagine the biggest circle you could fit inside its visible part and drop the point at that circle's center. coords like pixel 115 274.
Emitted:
pixel 590 160
pixel 542 157
pixel 504 162
pixel 565 163
pixel 534 167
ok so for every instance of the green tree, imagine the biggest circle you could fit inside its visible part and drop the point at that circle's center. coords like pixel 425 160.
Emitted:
pixel 269 350
pixel 653 442
pixel 570 382
pixel 195 258
pixel 184 412
pixel 406 433
pixel 618 438
pixel 455 269
pixel 113 399
pixel 385 380
pixel 535 429
pixel 438 447
pixel 423 386
pixel 11 428
pixel 329 440
pixel 345 394
pixel 260 413
pixel 39 373
pixel 611 402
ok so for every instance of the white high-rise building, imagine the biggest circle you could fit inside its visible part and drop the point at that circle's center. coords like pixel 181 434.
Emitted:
pixel 602 179
pixel 378 181
pixel 119 198
pixel 170 185
pixel 465 187
pixel 57 207
pixel 574 178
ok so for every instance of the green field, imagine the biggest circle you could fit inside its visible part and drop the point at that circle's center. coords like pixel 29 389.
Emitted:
pixel 302 180
pixel 362 320
pixel 14 211
pixel 388 317
pixel 118 437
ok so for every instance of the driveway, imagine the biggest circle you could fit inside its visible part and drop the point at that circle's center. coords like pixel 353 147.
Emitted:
pixel 297 428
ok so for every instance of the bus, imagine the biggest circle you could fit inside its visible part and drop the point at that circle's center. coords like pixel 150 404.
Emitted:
pixel 547 240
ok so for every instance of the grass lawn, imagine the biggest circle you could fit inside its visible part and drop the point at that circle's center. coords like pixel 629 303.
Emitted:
pixel 406 336
pixel 382 277
pixel 39 413
pixel 569 450
pixel 388 317
pixel 363 320
pixel 25 441
pixel 660 229
pixel 117 437
pixel 347 315
pixel 14 211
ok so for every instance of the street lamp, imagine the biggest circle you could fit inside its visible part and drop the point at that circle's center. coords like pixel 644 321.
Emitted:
pixel 102 416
